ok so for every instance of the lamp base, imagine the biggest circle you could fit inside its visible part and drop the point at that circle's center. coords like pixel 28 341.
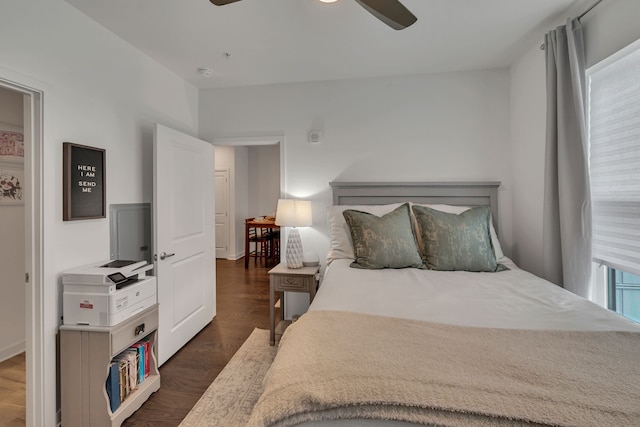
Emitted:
pixel 294 254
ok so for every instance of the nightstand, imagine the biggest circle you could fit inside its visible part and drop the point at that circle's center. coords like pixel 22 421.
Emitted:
pixel 283 279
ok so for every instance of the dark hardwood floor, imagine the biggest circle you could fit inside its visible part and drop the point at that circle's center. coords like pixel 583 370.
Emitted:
pixel 242 305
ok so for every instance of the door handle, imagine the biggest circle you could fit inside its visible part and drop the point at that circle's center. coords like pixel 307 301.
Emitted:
pixel 163 256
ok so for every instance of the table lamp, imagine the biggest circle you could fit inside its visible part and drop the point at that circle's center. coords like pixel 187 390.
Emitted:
pixel 294 213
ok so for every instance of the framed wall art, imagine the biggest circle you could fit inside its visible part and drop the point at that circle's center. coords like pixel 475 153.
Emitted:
pixel 84 195
pixel 11 143
pixel 11 185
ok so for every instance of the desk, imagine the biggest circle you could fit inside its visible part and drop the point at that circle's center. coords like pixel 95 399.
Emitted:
pixel 262 224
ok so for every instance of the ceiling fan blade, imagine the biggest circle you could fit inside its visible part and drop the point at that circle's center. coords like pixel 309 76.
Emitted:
pixel 222 2
pixel 391 12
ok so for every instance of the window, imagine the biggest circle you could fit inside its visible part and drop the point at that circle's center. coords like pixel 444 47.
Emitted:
pixel 614 168
pixel 624 294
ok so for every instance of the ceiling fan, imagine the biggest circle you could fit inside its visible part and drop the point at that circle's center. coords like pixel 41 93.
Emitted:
pixel 391 12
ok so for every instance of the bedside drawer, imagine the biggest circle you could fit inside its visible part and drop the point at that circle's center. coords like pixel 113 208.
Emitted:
pixel 293 283
pixel 130 331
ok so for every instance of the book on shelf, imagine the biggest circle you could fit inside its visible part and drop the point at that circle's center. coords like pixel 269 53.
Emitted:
pixel 113 386
pixel 140 348
pixel 132 369
pixel 147 351
pixel 122 373
pixel 127 370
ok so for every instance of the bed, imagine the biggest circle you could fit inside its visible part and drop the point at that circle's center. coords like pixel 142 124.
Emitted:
pixel 450 338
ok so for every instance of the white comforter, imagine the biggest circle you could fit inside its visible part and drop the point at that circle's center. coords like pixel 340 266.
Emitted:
pixel 512 299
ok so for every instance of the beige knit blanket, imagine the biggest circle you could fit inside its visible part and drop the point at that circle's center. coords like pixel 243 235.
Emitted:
pixel 337 365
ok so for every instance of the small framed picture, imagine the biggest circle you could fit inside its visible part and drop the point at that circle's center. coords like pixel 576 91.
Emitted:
pixel 11 143
pixel 84 193
pixel 11 185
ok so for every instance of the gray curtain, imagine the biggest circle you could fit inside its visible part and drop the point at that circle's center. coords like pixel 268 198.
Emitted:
pixel 567 200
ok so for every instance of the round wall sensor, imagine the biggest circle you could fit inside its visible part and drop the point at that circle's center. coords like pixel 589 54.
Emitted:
pixel 314 136
pixel 205 72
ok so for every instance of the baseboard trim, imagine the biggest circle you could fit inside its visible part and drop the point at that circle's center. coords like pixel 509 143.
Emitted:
pixel 12 350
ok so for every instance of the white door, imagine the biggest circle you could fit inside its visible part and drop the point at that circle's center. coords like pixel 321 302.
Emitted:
pixel 222 213
pixel 183 192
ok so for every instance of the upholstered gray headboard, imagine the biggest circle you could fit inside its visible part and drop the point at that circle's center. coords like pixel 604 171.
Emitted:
pixel 446 193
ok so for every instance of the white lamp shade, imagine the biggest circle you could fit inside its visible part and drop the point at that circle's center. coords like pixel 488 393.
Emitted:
pixel 293 213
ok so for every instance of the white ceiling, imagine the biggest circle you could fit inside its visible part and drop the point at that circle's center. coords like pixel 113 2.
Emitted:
pixel 282 41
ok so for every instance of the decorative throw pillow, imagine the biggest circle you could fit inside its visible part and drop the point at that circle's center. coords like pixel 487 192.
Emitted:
pixel 383 242
pixel 456 242
pixel 497 248
pixel 341 244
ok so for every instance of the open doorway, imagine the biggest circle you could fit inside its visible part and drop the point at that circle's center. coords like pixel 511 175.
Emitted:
pixel 21 113
pixel 254 170
pixel 12 258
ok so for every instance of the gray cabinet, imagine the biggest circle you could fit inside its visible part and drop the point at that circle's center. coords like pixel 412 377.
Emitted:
pixel 85 356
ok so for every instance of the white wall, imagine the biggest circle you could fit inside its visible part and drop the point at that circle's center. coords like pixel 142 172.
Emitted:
pixel 528 118
pixel 12 260
pixel 610 26
pixel 98 91
pixel 264 179
pixel 442 127
pixel 451 127
pixel 241 192
pixel 11 108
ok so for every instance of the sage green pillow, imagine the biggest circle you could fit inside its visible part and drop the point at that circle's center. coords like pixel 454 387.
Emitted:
pixel 383 241
pixel 456 242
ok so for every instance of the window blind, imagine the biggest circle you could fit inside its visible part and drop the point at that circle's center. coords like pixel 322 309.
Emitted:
pixel 614 163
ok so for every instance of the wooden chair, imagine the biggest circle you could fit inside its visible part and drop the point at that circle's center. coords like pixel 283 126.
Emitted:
pixel 274 245
pixel 258 244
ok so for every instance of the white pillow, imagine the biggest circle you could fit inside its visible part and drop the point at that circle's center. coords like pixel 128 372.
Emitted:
pixel 341 244
pixel 458 210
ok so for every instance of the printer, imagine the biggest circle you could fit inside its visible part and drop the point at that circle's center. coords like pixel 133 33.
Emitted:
pixel 107 293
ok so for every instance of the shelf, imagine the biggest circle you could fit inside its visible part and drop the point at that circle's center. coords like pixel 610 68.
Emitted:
pixel 150 385
pixel 85 355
